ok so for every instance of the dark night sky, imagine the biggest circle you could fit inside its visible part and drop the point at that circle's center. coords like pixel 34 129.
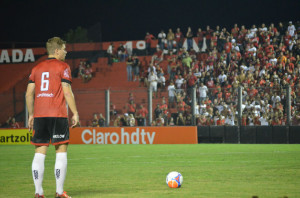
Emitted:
pixel 38 20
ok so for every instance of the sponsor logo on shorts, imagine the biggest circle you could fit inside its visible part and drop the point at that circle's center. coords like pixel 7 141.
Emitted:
pixel 46 95
pixel 58 136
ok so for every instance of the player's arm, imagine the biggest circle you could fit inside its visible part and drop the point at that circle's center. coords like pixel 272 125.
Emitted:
pixel 30 103
pixel 69 96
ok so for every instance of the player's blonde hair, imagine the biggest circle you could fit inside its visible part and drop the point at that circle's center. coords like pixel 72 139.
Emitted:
pixel 53 44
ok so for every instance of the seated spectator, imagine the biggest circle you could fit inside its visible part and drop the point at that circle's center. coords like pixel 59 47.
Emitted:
pixel 14 124
pixel 180 121
pixel 157 111
pixel 117 121
pixel 160 120
pixel 121 52
pixel 87 76
pixel 95 120
pixel 142 115
pixel 101 121
pixel 131 120
pixel 112 110
pixel 171 122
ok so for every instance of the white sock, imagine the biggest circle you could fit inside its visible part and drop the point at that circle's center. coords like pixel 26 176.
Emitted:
pixel 38 172
pixel 60 171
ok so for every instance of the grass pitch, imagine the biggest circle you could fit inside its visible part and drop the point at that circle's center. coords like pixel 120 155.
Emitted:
pixel 209 170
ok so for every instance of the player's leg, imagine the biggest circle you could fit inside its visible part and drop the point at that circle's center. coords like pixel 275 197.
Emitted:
pixel 38 168
pixel 41 140
pixel 60 138
pixel 60 169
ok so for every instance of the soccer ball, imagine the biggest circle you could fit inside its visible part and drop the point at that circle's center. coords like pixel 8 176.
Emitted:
pixel 174 179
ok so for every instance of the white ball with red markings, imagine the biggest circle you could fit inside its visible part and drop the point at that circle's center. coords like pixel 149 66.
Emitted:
pixel 174 179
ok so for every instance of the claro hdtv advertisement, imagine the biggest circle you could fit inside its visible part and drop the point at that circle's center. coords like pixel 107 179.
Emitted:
pixel 112 135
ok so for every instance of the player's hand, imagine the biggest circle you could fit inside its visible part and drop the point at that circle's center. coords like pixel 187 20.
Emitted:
pixel 75 120
pixel 30 123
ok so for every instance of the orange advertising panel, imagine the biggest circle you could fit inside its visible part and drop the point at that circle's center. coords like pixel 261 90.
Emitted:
pixel 134 135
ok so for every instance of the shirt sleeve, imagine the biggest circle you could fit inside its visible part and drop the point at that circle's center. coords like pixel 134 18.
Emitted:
pixel 66 75
pixel 31 77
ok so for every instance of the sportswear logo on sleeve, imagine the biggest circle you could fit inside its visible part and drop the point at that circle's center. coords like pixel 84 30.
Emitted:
pixel 35 174
pixel 57 173
pixel 66 73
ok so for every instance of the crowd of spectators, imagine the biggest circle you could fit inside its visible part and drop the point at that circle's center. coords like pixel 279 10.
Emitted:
pixel 262 60
pixel 83 71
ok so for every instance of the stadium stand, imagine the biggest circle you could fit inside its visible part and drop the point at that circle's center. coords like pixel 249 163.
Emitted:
pixel 263 60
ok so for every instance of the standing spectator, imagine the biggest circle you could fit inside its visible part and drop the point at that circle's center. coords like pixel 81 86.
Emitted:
pixel 152 79
pixel 109 52
pixel 179 39
pixel 101 121
pixel 200 35
pixel 170 39
pixel 202 92
pixel 291 29
pixel 136 67
pixel 148 39
pixel 227 48
pixel 171 90
pixel 191 82
pixel 131 107
pixel 129 63
pixel 161 39
pixel 189 36
pixel 161 83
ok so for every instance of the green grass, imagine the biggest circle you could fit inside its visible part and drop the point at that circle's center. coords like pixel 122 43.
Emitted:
pixel 209 170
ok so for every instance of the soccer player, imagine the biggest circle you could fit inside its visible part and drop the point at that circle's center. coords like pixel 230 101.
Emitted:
pixel 48 90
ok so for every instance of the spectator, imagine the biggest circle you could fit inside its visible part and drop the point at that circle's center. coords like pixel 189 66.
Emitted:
pixel 161 39
pixel 179 39
pixel 121 52
pixel 129 63
pixel 87 73
pixel 148 39
pixel 189 36
pixel 157 111
pixel 136 67
pixel 117 121
pixel 291 29
pixel 161 83
pixel 170 39
pixel 112 109
pixel 142 115
pixel 109 52
pixel 203 90
pixel 171 94
pixel 171 122
pixel 14 124
pixel 160 120
pixel 95 120
pixel 180 121
pixel 152 79
pixel 101 121
pixel 131 120
pixel 131 107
